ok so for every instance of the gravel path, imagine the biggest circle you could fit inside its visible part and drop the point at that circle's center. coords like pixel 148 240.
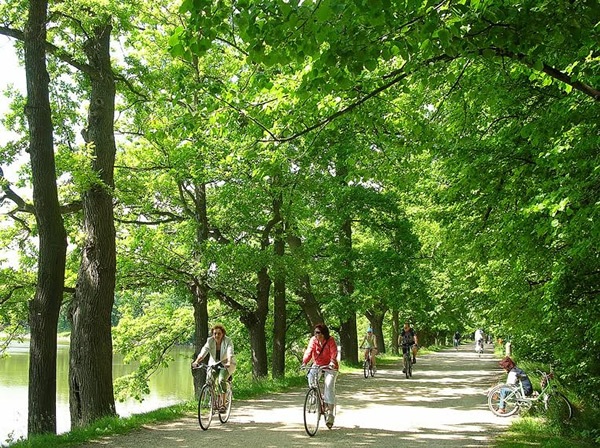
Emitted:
pixel 442 405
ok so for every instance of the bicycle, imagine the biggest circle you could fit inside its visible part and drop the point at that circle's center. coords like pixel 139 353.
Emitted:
pixel 507 399
pixel 407 360
pixel 208 401
pixel 368 368
pixel 479 347
pixel 314 402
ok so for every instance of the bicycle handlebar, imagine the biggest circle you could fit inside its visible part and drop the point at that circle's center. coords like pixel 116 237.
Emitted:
pixel 315 367
pixel 203 365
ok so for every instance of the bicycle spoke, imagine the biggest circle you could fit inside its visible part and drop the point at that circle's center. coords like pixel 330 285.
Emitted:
pixel 228 399
pixel 312 411
pixel 503 400
pixel 205 407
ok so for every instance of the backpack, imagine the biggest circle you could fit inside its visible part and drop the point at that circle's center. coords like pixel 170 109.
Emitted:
pixel 527 386
pixel 408 337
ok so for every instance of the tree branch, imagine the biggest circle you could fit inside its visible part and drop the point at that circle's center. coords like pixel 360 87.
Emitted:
pixel 552 72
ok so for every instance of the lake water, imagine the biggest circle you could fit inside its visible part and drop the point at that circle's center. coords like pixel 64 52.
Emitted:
pixel 167 387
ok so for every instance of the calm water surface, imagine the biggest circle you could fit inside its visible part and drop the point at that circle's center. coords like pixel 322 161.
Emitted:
pixel 167 387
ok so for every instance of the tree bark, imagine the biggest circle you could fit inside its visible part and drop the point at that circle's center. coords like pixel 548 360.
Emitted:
pixel 90 376
pixel 200 293
pixel 309 303
pixel 376 320
pixel 45 306
pixel 348 333
pixel 395 331
pixel 200 288
pixel 255 323
pixel 279 306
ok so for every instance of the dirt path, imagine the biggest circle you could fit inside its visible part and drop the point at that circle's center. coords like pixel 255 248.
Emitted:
pixel 442 405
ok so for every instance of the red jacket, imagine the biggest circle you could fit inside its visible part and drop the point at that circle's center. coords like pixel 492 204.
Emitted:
pixel 321 354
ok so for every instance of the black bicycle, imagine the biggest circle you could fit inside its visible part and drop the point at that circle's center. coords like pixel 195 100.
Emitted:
pixel 209 402
pixel 368 368
pixel 407 360
pixel 314 402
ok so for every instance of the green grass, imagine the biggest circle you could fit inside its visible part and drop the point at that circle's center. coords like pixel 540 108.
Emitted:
pixel 532 429
pixel 536 432
pixel 244 389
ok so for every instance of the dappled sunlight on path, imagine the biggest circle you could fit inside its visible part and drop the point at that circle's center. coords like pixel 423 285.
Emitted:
pixel 443 404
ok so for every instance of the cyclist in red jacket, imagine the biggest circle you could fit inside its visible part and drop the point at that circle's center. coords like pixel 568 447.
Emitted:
pixel 322 350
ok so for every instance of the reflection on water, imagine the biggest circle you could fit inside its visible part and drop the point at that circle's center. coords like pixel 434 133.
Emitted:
pixel 167 387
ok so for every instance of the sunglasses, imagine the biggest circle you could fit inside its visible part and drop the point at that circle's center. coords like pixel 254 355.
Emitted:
pixel 317 332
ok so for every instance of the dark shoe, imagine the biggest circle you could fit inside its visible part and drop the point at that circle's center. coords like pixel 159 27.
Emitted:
pixel 414 360
pixel 403 370
pixel 330 419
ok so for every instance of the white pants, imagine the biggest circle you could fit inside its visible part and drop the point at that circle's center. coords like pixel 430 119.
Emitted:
pixel 330 377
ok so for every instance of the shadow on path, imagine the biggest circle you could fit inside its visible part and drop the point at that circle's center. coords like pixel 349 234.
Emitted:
pixel 443 404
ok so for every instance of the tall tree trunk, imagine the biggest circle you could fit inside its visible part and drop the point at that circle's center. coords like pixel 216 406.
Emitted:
pixel 200 293
pixel 255 322
pixel 348 333
pixel 309 303
pixel 376 320
pixel 200 288
pixel 279 307
pixel 90 375
pixel 45 306
pixel 395 331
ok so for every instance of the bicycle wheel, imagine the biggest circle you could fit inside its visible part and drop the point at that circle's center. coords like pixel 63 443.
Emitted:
pixel 503 400
pixel 558 407
pixel 406 364
pixel 312 411
pixel 228 399
pixel 409 367
pixel 366 368
pixel 205 407
pixel 371 369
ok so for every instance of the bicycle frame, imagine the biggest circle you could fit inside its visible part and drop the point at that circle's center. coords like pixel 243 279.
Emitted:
pixel 368 367
pixel 315 398
pixel 528 401
pixel 209 398
pixel 407 353
pixel 508 399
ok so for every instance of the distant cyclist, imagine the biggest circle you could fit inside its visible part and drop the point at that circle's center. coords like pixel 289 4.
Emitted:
pixel 369 342
pixel 456 339
pixel 478 340
pixel 409 341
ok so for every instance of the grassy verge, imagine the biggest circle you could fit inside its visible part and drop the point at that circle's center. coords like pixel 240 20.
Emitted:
pixel 533 429
pixel 244 389
pixel 537 432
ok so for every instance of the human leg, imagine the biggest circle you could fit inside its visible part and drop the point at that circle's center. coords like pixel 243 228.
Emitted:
pixel 222 388
pixel 329 396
